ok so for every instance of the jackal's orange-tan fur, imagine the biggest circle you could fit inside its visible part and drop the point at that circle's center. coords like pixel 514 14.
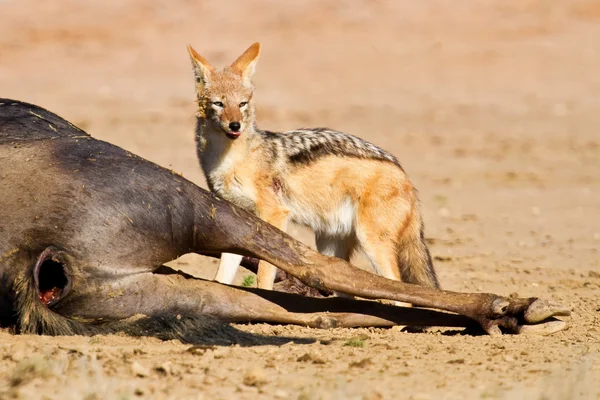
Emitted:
pixel 353 194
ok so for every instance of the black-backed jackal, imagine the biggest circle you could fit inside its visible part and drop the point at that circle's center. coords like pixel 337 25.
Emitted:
pixel 353 194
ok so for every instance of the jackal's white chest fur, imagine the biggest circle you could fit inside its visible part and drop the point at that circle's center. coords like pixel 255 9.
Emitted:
pixel 220 172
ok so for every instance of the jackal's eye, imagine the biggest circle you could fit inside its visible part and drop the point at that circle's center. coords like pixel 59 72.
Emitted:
pixel 243 104
pixel 218 104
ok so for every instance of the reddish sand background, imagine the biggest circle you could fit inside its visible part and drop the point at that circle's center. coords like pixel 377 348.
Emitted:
pixel 491 106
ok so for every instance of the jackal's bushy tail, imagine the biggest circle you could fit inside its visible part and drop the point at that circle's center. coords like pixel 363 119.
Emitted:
pixel 414 259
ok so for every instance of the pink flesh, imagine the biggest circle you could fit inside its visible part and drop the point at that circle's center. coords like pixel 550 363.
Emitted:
pixel 50 295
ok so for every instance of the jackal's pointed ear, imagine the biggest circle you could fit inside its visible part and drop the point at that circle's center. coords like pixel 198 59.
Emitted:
pixel 202 68
pixel 245 65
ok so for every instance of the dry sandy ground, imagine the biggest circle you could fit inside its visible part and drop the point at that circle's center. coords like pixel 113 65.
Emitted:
pixel 491 106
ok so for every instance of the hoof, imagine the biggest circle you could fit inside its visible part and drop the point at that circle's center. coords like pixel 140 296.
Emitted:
pixel 545 328
pixel 541 310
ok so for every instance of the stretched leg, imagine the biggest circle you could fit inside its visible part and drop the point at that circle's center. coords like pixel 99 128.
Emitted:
pixel 151 294
pixel 233 230
pixel 228 267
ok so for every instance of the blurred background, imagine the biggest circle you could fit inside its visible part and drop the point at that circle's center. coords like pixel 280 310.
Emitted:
pixel 491 106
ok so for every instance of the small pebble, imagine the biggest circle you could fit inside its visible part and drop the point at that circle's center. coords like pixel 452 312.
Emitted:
pixel 138 369
pixel 255 377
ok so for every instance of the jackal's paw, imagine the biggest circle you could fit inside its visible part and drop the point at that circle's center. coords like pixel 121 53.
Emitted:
pixel 524 316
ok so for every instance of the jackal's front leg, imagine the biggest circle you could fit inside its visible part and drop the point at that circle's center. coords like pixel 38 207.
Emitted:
pixel 228 267
pixel 265 278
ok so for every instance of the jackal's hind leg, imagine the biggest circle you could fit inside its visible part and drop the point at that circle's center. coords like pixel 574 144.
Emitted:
pixel 336 246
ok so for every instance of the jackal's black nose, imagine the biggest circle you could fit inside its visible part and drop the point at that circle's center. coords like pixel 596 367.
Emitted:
pixel 234 126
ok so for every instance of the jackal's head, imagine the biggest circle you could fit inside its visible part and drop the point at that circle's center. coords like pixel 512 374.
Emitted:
pixel 225 97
